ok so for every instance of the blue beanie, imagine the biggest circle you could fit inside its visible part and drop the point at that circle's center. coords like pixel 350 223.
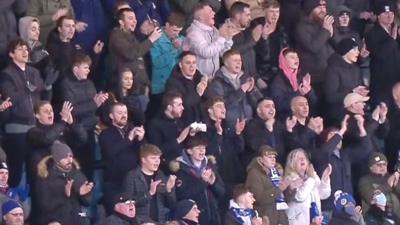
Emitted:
pixel 8 206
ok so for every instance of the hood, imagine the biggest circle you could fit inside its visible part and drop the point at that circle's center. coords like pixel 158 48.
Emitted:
pixel 174 165
pixel 43 166
pixel 23 26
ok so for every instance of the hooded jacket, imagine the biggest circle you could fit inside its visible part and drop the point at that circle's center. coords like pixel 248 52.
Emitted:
pixel 53 204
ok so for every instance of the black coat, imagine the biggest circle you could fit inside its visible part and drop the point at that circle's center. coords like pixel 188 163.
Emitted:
pixel 301 137
pixel 314 48
pixel 244 43
pixel 256 135
pixel 267 50
pixel 135 185
pixel 53 204
pixel 41 137
pixel 119 153
pixel 81 94
pixel 341 177
pixel 14 84
pixel 282 92
pixel 340 79
pixel 163 132
pixel 187 88
pixel 191 186
pixel 385 63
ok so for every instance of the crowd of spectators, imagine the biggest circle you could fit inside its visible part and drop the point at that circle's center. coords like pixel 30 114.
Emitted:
pixel 203 112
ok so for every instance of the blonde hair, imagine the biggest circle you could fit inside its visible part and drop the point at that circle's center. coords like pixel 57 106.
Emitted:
pixel 290 169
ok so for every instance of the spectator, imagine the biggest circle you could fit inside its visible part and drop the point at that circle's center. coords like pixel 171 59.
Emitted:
pixel 126 50
pixel 255 6
pixel 241 208
pixel 186 7
pixel 61 188
pixel 8 25
pixel 12 212
pixel 342 77
pixel 167 130
pixel 379 179
pixel 264 179
pixel 312 35
pixel 198 179
pixel 124 211
pixel 190 83
pixel 376 124
pixel 289 82
pixel 22 85
pixel 342 27
pixel 49 12
pixel 346 211
pixel 125 92
pixel 150 14
pixel 225 144
pixel 206 41
pixel 165 54
pixel 265 129
pixel 63 48
pixel 306 189
pixel 39 57
pixel 342 158
pixel 382 42
pixel 377 214
pixel 81 93
pixel 235 87
pixel 245 40
pixel 392 142
pixel 153 191
pixel 302 128
pixel 120 145
pixel 273 39
pixel 7 193
pixel 46 131
pixel 93 16
pixel 187 212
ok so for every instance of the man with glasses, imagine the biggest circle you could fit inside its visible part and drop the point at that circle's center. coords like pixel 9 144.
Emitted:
pixel 12 213
pixel 124 211
pixel 380 179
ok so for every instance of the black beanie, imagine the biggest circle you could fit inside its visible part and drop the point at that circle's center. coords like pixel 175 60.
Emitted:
pixel 310 5
pixel 183 207
pixel 345 46
pixel 383 6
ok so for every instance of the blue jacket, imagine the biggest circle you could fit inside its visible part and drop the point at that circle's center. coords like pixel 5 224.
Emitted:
pixel 155 9
pixel 92 13
pixel 164 57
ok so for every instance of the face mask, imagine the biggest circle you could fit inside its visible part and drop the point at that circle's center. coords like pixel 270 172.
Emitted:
pixel 381 199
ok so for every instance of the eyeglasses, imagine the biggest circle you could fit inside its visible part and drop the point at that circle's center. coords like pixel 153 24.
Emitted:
pixel 17 214
pixel 382 164
pixel 130 202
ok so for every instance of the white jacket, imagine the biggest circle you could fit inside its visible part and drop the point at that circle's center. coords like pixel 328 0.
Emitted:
pixel 313 190
pixel 208 45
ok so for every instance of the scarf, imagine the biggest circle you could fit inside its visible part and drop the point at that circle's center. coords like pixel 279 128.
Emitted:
pixel 275 178
pixel 242 215
pixel 288 72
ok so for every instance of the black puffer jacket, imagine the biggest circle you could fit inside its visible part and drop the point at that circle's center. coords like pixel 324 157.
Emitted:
pixel 81 94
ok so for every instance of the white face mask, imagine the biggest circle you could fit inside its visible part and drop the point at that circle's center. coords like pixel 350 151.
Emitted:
pixel 381 199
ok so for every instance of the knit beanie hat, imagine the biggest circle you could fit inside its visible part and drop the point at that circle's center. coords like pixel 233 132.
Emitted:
pixel 375 158
pixel 183 207
pixel 310 5
pixel 346 45
pixel 8 206
pixel 383 6
pixel 60 151
pixel 3 165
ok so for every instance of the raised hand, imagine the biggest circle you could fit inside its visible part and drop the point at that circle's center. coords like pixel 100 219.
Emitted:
pixel 86 188
pixel 239 126
pixel 153 186
pixel 66 112
pixel 327 173
pixel 170 183
pixel 290 123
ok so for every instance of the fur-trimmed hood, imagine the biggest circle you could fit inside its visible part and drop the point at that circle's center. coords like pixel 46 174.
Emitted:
pixel 174 165
pixel 43 166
